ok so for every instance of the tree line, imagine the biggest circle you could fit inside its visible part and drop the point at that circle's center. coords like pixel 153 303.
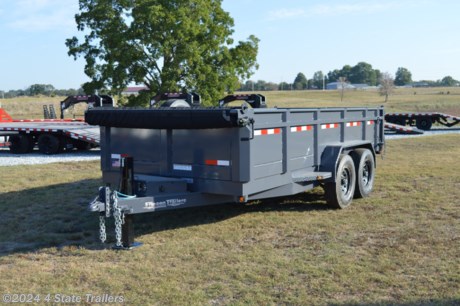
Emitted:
pixel 361 73
pixel 47 90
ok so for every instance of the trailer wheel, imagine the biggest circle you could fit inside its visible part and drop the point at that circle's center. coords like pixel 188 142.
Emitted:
pixel 83 146
pixel 400 122
pixel 365 166
pixel 424 124
pixel 49 144
pixel 21 144
pixel 339 194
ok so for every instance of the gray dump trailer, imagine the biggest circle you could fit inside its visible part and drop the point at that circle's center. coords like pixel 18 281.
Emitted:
pixel 164 159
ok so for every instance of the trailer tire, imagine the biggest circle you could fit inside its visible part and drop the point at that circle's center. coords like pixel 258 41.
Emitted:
pixel 83 146
pixel 21 144
pixel 424 124
pixel 401 122
pixel 49 144
pixel 339 194
pixel 365 172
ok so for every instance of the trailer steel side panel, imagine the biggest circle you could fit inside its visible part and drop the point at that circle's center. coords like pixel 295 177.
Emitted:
pixel 223 154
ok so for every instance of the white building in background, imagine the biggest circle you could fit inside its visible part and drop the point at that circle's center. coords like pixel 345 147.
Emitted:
pixel 133 90
pixel 338 85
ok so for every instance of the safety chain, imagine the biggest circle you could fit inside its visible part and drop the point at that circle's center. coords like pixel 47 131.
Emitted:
pixel 102 230
pixel 109 200
pixel 119 217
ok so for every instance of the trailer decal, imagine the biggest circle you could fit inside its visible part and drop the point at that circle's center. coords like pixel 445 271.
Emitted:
pixel 329 126
pixel 302 128
pixel 116 159
pixel 215 162
pixel 182 167
pixel 267 132
pixel 353 124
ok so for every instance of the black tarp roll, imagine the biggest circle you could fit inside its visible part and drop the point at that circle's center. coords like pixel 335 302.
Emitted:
pixel 163 118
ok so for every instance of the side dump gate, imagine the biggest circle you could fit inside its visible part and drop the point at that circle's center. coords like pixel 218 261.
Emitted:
pixel 289 140
pixel 176 158
pixel 243 160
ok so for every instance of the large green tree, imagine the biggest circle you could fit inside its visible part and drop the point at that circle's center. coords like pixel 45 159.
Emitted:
pixel 40 89
pixel 300 82
pixel 449 81
pixel 363 73
pixel 403 76
pixel 318 80
pixel 167 45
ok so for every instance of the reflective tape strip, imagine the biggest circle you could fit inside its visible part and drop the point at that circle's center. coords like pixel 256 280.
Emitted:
pixel 215 162
pixel 329 126
pixel 302 128
pixel 181 167
pixel 267 132
pixel 370 122
pixel 353 124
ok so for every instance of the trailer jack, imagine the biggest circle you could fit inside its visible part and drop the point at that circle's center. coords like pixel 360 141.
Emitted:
pixel 108 205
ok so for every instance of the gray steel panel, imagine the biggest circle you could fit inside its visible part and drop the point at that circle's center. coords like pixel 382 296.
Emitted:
pixel 256 163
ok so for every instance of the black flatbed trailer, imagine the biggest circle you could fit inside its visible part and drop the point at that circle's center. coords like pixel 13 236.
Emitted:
pixel 52 135
pixel 423 121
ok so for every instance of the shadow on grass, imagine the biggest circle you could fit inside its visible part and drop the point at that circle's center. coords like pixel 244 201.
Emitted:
pixel 428 302
pixel 57 216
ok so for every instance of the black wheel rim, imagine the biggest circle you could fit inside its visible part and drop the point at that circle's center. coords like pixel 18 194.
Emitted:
pixel 366 174
pixel 345 181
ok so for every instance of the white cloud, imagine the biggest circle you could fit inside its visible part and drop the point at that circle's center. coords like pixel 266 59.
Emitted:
pixel 358 8
pixel 286 14
pixel 343 8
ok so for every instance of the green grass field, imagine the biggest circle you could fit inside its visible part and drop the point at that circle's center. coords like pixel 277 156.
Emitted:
pixel 398 247
pixel 404 99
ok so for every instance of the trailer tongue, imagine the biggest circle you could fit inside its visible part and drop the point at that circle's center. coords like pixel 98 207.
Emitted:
pixel 164 159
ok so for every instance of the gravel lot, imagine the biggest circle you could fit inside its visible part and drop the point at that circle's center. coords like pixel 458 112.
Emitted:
pixel 8 159
pixel 433 132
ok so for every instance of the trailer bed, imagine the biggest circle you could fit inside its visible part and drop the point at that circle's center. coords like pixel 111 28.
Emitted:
pixel 253 153
pixel 422 121
pixel 166 159
pixel 76 130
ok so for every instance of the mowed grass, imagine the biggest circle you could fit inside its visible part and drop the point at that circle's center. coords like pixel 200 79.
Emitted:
pixel 398 247
pixel 32 107
pixel 446 100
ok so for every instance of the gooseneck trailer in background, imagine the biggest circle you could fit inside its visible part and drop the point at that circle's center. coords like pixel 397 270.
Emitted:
pixel 52 135
pixel 162 159
pixel 423 121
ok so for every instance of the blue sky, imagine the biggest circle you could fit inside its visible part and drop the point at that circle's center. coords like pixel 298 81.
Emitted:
pixel 296 36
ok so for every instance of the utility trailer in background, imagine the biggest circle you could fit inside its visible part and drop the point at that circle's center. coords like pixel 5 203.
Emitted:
pixel 422 121
pixel 162 159
pixel 52 136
